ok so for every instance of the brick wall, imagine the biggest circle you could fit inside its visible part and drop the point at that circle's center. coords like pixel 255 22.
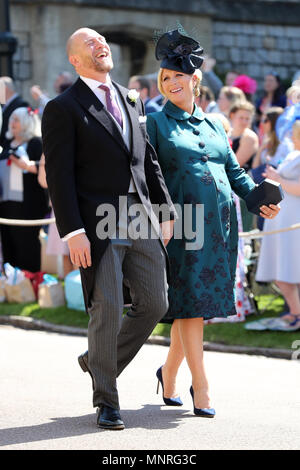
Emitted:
pixel 256 49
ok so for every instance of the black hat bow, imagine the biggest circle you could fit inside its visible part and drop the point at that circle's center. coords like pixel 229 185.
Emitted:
pixel 178 52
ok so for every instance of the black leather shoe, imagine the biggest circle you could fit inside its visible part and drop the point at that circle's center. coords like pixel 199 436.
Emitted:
pixel 109 418
pixel 83 360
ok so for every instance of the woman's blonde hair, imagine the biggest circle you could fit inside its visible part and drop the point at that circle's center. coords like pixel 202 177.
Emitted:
pixel 242 105
pixel 197 87
pixel 198 74
pixel 233 94
pixel 225 122
pixel 29 121
pixel 293 94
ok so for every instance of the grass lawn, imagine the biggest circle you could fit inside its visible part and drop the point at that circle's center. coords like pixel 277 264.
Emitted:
pixel 59 315
pixel 226 333
pixel 236 334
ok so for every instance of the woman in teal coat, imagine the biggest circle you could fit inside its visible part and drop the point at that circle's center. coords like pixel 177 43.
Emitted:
pixel 199 168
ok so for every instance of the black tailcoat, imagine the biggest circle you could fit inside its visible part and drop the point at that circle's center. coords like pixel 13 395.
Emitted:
pixel 88 164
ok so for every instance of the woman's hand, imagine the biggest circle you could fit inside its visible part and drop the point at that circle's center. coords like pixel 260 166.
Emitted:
pixel 271 173
pixel 19 162
pixel 269 212
pixel 26 165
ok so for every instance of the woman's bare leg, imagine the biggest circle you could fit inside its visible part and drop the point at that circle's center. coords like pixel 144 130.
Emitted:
pixel 291 294
pixel 173 362
pixel 191 333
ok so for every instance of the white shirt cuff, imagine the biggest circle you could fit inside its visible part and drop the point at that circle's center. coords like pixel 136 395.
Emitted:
pixel 72 234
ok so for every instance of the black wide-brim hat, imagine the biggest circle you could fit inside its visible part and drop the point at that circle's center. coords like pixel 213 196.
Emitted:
pixel 178 52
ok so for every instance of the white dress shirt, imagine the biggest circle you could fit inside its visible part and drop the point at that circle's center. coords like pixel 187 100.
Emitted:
pixel 94 86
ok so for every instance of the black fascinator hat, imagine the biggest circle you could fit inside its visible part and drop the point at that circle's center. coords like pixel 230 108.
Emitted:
pixel 178 52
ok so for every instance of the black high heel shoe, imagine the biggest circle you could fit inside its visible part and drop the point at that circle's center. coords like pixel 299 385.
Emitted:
pixel 168 401
pixel 203 412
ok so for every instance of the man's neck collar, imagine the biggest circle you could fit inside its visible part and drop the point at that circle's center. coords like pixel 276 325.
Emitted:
pixel 93 84
pixel 100 77
pixel 11 98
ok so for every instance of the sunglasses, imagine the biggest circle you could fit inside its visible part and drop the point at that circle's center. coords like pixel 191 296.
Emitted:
pixel 265 120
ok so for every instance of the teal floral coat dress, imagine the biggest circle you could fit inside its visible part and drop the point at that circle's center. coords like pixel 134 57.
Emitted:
pixel 199 167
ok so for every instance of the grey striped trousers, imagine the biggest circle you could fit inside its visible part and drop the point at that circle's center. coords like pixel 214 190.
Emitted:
pixel 114 340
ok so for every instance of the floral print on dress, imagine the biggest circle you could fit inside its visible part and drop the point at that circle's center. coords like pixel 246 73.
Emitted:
pixel 207 178
pixel 225 217
pixel 201 280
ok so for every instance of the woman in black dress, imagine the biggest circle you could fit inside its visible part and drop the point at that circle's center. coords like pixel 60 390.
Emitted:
pixel 274 95
pixel 21 196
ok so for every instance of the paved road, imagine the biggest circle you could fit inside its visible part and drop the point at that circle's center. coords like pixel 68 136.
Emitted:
pixel 46 400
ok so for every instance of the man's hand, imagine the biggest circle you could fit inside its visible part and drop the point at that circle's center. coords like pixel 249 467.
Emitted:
pixel 36 92
pixel 167 231
pixel 208 64
pixel 80 250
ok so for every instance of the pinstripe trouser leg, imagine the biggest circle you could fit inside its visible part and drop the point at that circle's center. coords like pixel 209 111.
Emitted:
pixel 113 341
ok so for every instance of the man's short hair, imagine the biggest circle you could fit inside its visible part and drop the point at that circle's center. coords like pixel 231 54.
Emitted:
pixel 143 82
pixel 206 93
pixel 9 83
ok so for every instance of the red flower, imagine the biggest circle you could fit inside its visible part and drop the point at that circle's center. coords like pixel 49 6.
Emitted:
pixel 31 112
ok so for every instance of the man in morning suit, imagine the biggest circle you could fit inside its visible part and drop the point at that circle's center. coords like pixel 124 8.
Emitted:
pixel 96 150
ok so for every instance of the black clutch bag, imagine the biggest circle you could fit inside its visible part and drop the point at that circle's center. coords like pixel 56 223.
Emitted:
pixel 268 192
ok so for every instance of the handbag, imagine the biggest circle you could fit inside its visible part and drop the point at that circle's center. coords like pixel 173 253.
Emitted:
pixel 268 192
pixel 51 295
pixel 22 292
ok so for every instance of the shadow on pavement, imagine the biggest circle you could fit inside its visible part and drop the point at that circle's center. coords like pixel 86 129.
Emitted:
pixel 148 417
pixel 153 417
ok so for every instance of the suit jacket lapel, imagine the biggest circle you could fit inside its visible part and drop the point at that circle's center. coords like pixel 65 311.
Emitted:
pixel 90 102
pixel 10 108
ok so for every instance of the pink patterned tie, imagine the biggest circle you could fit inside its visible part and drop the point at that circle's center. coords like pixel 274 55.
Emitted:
pixel 112 105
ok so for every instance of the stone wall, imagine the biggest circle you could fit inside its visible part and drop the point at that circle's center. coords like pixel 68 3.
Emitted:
pixel 22 60
pixel 254 37
pixel 43 29
pixel 256 49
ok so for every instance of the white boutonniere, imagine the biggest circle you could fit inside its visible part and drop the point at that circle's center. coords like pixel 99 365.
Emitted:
pixel 133 95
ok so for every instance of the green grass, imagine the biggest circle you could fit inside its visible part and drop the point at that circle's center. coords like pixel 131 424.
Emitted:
pixel 58 316
pixel 236 334
pixel 225 333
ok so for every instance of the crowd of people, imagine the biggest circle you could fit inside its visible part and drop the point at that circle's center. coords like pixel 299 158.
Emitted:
pixel 251 122
pixel 22 181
